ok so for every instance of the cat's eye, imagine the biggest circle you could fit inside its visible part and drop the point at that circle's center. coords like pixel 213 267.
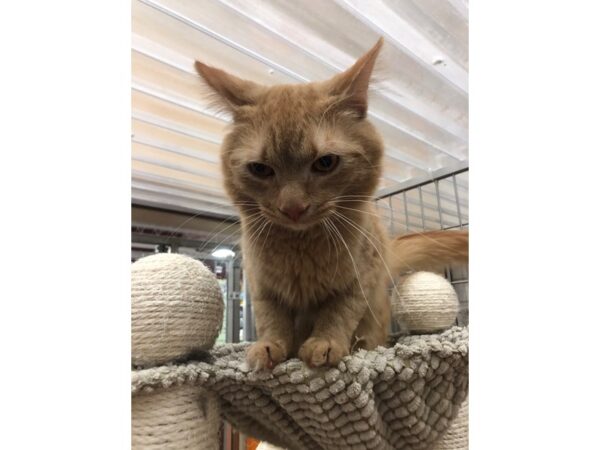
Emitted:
pixel 260 170
pixel 326 163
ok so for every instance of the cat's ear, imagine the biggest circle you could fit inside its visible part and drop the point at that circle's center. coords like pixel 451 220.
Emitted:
pixel 353 84
pixel 232 92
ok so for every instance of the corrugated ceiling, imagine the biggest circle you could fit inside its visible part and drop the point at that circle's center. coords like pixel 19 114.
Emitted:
pixel 420 103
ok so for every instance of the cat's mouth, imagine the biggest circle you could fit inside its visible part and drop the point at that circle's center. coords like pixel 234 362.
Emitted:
pixel 303 223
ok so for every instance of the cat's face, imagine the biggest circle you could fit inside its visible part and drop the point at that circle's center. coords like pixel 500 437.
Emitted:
pixel 299 153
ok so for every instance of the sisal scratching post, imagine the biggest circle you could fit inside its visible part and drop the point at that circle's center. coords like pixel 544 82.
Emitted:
pixel 186 417
pixel 176 308
pixel 457 435
pixel 425 302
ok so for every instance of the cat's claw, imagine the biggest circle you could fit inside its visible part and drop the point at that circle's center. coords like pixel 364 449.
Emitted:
pixel 317 352
pixel 264 355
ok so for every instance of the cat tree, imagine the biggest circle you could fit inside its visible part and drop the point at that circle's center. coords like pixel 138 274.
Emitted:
pixel 410 395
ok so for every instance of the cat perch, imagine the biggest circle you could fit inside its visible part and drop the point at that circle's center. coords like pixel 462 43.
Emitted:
pixel 411 395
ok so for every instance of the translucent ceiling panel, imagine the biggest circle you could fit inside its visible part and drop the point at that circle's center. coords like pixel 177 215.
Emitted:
pixel 205 183
pixel 440 22
pixel 177 118
pixel 178 143
pixel 418 102
pixel 406 37
pixel 178 42
pixel 200 192
pixel 156 197
pixel 156 155
pixel 416 126
pixel 396 171
pixel 414 85
pixel 174 192
pixel 168 83
pixel 212 18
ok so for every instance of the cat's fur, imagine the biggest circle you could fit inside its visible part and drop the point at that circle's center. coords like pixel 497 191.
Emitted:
pixel 319 285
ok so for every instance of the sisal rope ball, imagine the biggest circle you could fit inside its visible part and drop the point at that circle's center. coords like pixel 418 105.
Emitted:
pixel 425 302
pixel 176 308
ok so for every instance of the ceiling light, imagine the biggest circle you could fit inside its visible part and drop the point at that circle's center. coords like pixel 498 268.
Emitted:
pixel 223 253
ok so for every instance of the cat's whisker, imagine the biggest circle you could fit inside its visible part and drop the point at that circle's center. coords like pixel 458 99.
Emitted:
pixel 266 239
pixel 214 235
pixel 209 239
pixel 337 251
pixel 355 270
pixel 237 221
pixel 353 196
pixel 408 266
pixel 425 235
pixel 256 222
pixel 252 205
pixel 253 229
pixel 337 248
pixel 195 216
pixel 346 218
pixel 358 228
pixel 354 200
pixel 258 237
pixel 327 240
pixel 223 221
pixel 253 240
pixel 252 220
pixel 357 210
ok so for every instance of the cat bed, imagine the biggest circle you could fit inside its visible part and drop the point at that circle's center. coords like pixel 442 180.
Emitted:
pixel 405 396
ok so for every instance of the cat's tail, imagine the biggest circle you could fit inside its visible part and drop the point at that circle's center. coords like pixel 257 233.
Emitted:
pixel 430 250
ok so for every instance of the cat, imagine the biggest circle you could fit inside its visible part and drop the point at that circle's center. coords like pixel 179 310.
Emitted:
pixel 301 163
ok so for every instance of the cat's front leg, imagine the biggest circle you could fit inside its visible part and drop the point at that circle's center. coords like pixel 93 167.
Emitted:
pixel 275 329
pixel 334 327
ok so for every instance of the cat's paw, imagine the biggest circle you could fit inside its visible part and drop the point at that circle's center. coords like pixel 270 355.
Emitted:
pixel 265 355
pixel 317 352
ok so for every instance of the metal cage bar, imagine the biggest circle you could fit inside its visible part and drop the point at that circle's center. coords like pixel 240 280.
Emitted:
pixel 457 278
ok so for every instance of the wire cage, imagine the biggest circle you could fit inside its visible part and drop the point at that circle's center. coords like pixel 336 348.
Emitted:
pixel 438 202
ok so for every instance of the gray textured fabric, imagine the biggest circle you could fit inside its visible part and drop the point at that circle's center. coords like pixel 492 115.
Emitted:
pixel 402 397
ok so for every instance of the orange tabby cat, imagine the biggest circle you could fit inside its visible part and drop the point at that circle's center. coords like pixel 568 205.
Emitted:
pixel 301 163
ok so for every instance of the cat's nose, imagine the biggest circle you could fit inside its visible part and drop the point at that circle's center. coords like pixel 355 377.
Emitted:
pixel 294 210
